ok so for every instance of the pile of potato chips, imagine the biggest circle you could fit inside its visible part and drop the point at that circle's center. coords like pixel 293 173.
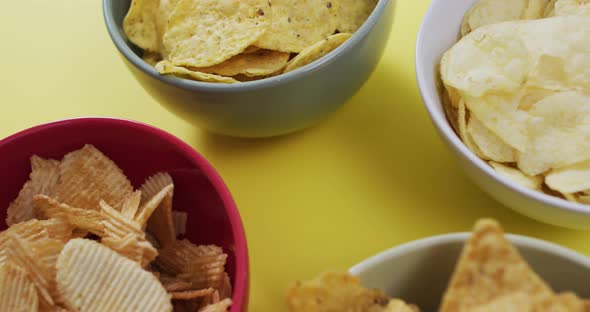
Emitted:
pixel 490 276
pixel 80 238
pixel 240 40
pixel 517 91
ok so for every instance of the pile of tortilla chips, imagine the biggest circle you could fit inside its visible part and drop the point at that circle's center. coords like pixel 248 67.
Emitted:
pixel 240 40
pixel 517 91
pixel 80 238
pixel 490 276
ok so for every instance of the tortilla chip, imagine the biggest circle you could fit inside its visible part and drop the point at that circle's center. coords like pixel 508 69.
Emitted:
pixel 316 51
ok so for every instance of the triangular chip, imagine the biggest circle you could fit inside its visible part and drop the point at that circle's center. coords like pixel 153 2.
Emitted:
pixel 82 219
pixel 352 14
pixel 161 223
pixel 118 284
pixel 564 302
pixel 42 180
pixel 87 176
pixel 316 51
pixel 490 268
pixel 17 291
pixel 140 24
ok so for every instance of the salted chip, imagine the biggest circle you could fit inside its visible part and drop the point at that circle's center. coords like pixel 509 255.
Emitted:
pixel 570 179
pixel 487 12
pixel 253 64
pixel 316 51
pixel 87 176
pixel 352 14
pixel 516 176
pixel 166 68
pixel 334 292
pixel 116 281
pixel 297 24
pixel 571 7
pixel 491 146
pixel 203 33
pixel 489 268
pixel 220 306
pixel 81 219
pixel 17 291
pixel 140 24
pixel 161 223
pixel 42 180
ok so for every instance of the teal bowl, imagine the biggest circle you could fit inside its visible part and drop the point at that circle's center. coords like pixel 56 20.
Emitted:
pixel 268 107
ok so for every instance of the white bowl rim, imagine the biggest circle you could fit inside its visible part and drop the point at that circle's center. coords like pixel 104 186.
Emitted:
pixel 443 126
pixel 517 240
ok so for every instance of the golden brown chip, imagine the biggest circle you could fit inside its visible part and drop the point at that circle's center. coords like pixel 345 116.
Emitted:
pixel 149 206
pixel 167 68
pixel 17 291
pixel 334 292
pixel 42 180
pixel 316 51
pixel 489 268
pixel 161 223
pixel 253 64
pixel 220 306
pixel 87 176
pixel 226 289
pixel 251 49
pixel 352 14
pixel 191 294
pixel 396 305
pixel 133 247
pixel 81 219
pixel 115 224
pixel 180 218
pixel 140 24
pixel 116 280
pixel 177 285
pixel 131 205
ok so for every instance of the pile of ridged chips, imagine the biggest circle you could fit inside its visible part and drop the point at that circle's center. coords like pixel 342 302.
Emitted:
pixel 240 40
pixel 490 276
pixel 517 91
pixel 80 238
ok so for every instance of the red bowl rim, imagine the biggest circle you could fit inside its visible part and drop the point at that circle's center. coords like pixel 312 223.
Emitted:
pixel 241 249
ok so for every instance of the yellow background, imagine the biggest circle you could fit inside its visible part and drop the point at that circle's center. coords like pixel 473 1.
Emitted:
pixel 373 175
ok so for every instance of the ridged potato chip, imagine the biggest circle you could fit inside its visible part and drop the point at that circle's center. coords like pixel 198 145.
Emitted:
pixel 316 51
pixel 191 294
pixel 352 14
pixel 81 219
pixel 161 224
pixel 17 291
pixel 515 175
pixel 87 176
pixel 140 24
pixel 491 146
pixel 116 281
pixel 148 207
pixel 42 180
pixel 220 306
pixel 253 64
pixel 167 68
pixel 223 29
pixel 35 230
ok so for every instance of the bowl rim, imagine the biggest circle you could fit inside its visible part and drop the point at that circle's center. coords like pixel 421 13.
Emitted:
pixel 443 126
pixel 299 73
pixel 241 278
pixel 518 240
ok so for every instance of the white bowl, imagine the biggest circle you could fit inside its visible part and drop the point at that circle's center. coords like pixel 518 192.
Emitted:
pixel 439 31
pixel 419 271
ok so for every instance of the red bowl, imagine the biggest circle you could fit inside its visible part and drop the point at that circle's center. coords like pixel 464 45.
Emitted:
pixel 141 150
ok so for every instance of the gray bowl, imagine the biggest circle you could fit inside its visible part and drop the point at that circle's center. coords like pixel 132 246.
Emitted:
pixel 269 107
pixel 420 270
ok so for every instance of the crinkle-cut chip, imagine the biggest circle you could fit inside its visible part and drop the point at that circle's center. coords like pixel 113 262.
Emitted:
pixel 191 294
pixel 203 33
pixel 226 289
pixel 490 145
pixel 571 7
pixel 517 176
pixel 316 51
pixel 487 12
pixel 161 223
pixel 115 224
pixel 116 280
pixel 180 218
pixel 352 14
pixel 177 285
pixel 334 292
pixel 564 302
pixel 559 130
pixel 81 219
pixel 490 267
pixel 42 180
pixel 254 64
pixel 397 305
pixel 167 68
pixel 140 24
pixel 17 291
pixel 133 247
pixel 571 179
pixel 462 116
pixel 87 176
pixel 297 24
pixel 221 306
pixel 131 205
pixel 151 58
pixel 57 228
pixel 148 207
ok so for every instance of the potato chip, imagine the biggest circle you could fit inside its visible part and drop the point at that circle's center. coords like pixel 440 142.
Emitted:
pixel 463 133
pixel 489 268
pixel 334 292
pixel 133 247
pixel 116 281
pixel 550 9
pixel 220 306
pixel 516 176
pixel 226 288
pixel 131 204
pixel 571 179
pixel 352 14
pixel 317 50
pixel 149 206
pixel 491 146
pixel 161 223
pixel 81 219
pixel 17 292
pixel 140 24
pixel 223 29
pixel 297 25
pixel 180 218
pixel 253 64
pixel 571 7
pixel 191 294
pixel 42 180
pixel 87 176
pixel 165 67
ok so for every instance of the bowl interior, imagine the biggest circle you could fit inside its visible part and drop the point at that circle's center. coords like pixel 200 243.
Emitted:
pixel 419 271
pixel 140 151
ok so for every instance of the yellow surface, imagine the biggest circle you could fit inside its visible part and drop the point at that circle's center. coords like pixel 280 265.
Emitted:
pixel 372 176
